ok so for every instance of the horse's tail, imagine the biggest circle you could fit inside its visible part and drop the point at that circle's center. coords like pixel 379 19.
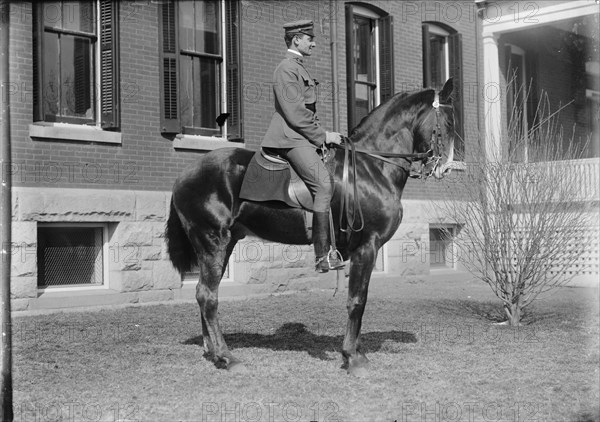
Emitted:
pixel 179 247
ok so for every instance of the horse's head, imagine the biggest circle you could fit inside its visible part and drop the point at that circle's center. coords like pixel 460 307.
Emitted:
pixel 434 132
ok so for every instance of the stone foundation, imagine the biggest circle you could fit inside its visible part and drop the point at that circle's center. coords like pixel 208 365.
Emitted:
pixel 137 268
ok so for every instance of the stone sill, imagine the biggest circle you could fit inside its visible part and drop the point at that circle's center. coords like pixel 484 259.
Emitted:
pixel 203 143
pixel 71 132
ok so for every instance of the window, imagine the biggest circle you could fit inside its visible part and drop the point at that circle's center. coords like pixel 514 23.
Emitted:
pixel 70 255
pixel 442 59
pixel 370 60
pixel 75 63
pixel 200 68
pixel 441 248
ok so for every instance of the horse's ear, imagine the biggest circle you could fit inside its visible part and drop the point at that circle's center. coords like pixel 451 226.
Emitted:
pixel 446 92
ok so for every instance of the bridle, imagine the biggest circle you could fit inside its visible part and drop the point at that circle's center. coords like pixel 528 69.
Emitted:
pixel 432 156
pixel 435 145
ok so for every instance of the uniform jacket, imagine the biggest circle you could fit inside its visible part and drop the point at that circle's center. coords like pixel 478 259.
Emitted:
pixel 293 124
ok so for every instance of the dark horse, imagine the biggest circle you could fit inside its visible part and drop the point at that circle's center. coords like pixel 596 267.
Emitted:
pixel 207 217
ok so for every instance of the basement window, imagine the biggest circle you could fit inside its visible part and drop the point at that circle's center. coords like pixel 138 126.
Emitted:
pixel 441 247
pixel 70 256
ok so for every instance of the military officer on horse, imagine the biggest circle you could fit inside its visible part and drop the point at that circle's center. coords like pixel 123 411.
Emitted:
pixel 296 135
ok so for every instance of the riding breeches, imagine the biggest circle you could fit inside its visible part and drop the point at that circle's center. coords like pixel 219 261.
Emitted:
pixel 308 164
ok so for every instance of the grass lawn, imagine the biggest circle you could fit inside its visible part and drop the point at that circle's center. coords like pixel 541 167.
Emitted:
pixel 435 356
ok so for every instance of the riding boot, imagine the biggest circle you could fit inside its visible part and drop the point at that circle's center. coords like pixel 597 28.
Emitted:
pixel 324 260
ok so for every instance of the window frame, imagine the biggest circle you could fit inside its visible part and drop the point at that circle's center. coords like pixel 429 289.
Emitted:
pixel 229 76
pixel 382 39
pixel 106 249
pixel 449 245
pixel 104 75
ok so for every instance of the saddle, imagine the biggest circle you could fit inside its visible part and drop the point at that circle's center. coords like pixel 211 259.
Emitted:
pixel 270 177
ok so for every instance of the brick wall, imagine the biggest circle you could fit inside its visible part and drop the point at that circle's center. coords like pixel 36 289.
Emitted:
pixel 146 160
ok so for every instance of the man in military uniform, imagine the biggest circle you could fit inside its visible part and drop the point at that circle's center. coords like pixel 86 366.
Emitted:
pixel 295 133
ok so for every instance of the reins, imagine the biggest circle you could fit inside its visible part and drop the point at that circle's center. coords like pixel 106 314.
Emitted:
pixel 350 210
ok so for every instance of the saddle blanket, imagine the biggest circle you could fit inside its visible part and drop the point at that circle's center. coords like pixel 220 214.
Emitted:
pixel 270 180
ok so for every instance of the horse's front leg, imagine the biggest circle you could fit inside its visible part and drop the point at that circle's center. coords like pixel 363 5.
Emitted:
pixel 214 343
pixel 361 266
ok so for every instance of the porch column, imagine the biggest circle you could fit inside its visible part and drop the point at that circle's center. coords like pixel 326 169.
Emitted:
pixel 492 97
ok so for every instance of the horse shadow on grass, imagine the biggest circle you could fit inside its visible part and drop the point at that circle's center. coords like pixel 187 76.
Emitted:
pixel 294 336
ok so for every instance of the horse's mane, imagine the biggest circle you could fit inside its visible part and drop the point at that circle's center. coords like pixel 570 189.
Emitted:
pixel 405 100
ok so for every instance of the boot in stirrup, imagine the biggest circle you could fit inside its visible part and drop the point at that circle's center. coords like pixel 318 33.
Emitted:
pixel 327 258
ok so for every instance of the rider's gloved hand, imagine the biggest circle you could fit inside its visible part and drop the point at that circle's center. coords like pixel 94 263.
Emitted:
pixel 333 138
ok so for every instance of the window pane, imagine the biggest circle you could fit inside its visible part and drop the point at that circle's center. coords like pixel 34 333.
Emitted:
pixel 51 88
pixel 186 91
pixel 78 16
pixel 52 13
pixel 76 77
pixel 71 15
pixel 363 49
pixel 200 91
pixel 209 92
pixel 207 27
pixel 364 101
pixel 186 25
pixel 438 60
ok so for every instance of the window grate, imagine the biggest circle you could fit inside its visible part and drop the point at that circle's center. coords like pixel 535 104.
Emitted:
pixel 70 256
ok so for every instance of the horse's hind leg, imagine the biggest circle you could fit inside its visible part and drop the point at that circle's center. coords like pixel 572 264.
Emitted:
pixel 361 266
pixel 211 268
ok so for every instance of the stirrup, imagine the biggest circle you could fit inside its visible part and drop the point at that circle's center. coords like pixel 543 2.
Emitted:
pixel 332 256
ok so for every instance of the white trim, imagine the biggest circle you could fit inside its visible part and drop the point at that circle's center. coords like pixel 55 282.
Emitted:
pixel 493 94
pixel 105 255
pixel 377 65
pixel 223 67
pixel 438 30
pixel 73 132
pixel 203 143
pixel 529 18
pixel 364 12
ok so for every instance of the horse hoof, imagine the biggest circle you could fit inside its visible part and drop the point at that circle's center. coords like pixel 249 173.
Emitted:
pixel 237 367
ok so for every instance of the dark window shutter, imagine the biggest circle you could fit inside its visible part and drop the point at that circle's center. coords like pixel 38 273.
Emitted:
pixel 169 68
pixel 456 72
pixel 38 71
pixel 350 74
pixel 426 56
pixel 82 75
pixel 109 65
pixel 234 74
pixel 386 54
